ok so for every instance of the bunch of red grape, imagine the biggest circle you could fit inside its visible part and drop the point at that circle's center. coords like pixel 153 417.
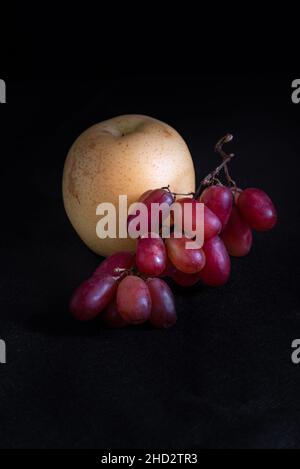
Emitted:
pixel 129 289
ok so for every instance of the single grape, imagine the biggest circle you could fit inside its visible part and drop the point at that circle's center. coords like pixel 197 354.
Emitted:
pixel 142 198
pixel 257 209
pixel 151 255
pixel 163 312
pixel 212 225
pixel 157 196
pixel 216 271
pixel 169 270
pixel 145 195
pixel 92 297
pixel 182 279
pixel 237 235
pixel 186 260
pixel 121 260
pixel 219 200
pixel 185 280
pixel 133 300
pixel 112 318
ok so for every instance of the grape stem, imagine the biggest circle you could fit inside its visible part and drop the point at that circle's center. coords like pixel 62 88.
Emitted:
pixel 125 272
pixel 122 273
pixel 175 193
pixel 219 149
pixel 210 178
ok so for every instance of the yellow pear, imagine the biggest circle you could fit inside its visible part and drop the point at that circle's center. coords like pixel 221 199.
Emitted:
pixel 126 155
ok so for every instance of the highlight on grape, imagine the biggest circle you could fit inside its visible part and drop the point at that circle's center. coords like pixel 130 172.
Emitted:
pixel 132 288
pixel 154 219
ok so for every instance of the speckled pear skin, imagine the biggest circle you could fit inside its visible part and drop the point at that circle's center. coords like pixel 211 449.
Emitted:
pixel 125 155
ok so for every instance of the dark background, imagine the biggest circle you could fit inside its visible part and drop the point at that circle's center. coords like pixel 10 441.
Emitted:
pixel 223 376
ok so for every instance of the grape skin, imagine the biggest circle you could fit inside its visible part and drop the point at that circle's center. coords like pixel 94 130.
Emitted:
pixel 185 280
pixel 112 318
pixel 237 235
pixel 133 300
pixel 216 271
pixel 92 297
pixel 163 312
pixel 157 196
pixel 212 224
pixel 182 279
pixel 219 200
pixel 120 260
pixel 188 261
pixel 151 255
pixel 145 195
pixel 257 209
pixel 170 268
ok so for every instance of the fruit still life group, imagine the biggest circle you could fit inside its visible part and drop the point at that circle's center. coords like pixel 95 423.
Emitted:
pixel 149 162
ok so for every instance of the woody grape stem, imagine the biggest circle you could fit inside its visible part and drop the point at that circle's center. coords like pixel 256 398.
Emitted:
pixel 208 180
pixel 219 149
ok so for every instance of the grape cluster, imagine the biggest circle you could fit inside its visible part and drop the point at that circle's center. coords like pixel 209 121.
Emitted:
pixel 129 289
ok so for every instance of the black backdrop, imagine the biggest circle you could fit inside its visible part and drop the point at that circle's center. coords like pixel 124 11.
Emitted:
pixel 223 377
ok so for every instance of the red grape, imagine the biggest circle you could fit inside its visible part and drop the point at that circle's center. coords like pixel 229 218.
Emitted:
pixel 257 209
pixel 182 279
pixel 169 270
pixel 92 297
pixel 216 271
pixel 157 196
pixel 145 195
pixel 120 260
pixel 163 312
pixel 185 280
pixel 212 225
pixel 219 200
pixel 237 235
pixel 189 261
pixel 151 255
pixel 133 300
pixel 112 318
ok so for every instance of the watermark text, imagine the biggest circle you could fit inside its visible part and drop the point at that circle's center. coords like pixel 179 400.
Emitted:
pixel 296 92
pixel 2 351
pixel 2 92
pixel 178 220
pixel 296 352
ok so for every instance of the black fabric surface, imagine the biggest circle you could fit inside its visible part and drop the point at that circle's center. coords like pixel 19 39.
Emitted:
pixel 223 376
